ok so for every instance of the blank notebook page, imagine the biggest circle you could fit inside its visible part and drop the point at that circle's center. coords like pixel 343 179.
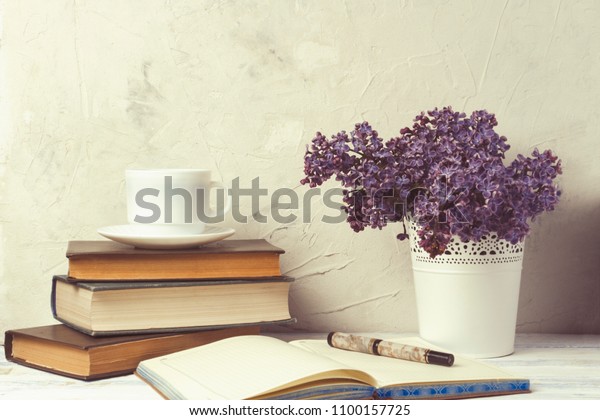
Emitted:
pixel 239 368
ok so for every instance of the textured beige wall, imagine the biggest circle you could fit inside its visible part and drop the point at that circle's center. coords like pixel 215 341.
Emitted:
pixel 90 88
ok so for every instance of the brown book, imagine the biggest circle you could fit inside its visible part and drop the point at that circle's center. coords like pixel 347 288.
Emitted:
pixel 115 308
pixel 62 350
pixel 109 260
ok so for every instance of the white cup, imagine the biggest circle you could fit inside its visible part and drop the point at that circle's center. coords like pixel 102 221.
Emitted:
pixel 173 201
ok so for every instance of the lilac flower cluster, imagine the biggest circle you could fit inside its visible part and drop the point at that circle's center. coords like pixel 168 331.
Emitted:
pixel 446 172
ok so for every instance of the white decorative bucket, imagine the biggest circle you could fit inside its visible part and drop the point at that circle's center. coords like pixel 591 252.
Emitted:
pixel 467 298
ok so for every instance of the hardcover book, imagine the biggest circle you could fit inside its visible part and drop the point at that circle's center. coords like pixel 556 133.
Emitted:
pixel 115 308
pixel 260 367
pixel 112 261
pixel 64 351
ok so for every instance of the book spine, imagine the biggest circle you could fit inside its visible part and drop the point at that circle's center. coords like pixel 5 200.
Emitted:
pixel 8 337
pixel 53 296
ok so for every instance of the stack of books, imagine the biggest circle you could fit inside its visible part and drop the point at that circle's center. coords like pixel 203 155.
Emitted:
pixel 119 305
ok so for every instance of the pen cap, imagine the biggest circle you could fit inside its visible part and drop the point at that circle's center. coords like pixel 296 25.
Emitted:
pixel 439 358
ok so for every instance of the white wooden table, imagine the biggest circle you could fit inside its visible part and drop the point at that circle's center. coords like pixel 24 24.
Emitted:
pixel 558 367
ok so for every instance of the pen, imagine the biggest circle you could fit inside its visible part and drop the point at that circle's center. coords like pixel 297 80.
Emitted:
pixel 389 349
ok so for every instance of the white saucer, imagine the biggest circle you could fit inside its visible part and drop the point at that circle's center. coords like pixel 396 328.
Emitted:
pixel 142 237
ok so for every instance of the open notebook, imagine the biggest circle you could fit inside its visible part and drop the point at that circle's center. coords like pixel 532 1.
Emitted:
pixel 260 367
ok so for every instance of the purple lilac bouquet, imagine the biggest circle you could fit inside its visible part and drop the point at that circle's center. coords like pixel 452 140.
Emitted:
pixel 446 173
